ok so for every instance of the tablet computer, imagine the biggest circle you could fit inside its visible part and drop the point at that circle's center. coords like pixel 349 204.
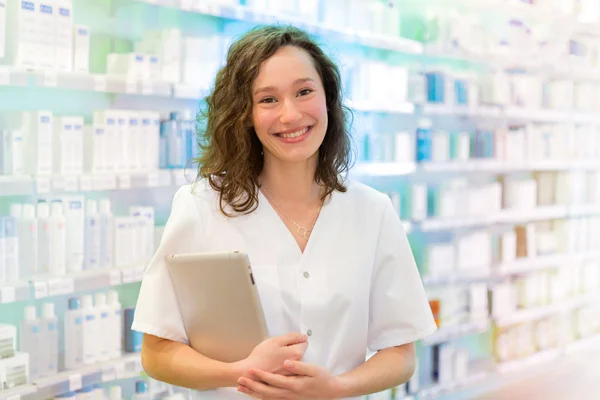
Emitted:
pixel 219 303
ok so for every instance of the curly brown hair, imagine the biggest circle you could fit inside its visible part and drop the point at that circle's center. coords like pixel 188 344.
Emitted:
pixel 232 158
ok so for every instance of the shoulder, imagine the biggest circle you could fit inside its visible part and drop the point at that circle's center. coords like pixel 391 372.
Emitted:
pixel 361 195
pixel 198 195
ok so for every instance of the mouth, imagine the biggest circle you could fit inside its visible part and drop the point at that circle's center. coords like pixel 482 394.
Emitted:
pixel 295 134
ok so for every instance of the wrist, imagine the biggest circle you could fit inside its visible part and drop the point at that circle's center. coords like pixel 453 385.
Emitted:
pixel 235 371
pixel 340 387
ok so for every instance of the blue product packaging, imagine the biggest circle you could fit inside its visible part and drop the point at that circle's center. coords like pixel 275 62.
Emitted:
pixel 424 141
pixel 436 86
pixel 461 90
pixel 133 339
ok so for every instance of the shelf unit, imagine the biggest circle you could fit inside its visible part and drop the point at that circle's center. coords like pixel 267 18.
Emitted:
pixel 27 185
pixel 446 334
pixel 242 13
pixel 533 314
pixel 126 367
pixel 42 287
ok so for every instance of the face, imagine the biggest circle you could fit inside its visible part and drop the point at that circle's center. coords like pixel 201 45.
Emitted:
pixel 289 110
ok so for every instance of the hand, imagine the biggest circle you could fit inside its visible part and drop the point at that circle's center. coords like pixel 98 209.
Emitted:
pixel 307 381
pixel 271 353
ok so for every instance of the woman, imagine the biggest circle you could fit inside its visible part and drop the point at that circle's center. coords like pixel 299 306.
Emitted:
pixel 331 261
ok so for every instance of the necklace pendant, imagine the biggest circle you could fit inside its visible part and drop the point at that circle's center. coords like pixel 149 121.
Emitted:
pixel 305 233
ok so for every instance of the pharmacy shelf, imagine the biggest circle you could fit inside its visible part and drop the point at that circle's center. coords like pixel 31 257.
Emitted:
pixel 536 360
pixel 504 270
pixel 538 313
pixel 405 108
pixel 446 388
pixel 382 169
pixel 42 287
pixel 502 217
pixel 26 185
pixel 15 185
pixel 247 14
pixel 532 264
pixel 126 367
pixel 17 393
pixel 459 276
pixel 454 332
pixel 583 345
pixel 13 76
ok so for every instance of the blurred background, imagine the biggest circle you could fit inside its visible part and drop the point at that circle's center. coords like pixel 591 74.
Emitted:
pixel 479 118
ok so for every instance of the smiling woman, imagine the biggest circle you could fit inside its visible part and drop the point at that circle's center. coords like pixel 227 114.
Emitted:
pixel 331 261
pixel 281 95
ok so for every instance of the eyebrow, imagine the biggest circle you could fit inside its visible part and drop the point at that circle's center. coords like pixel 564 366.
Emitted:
pixel 270 88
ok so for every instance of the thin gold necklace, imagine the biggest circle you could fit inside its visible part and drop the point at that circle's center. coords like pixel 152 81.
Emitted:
pixel 302 231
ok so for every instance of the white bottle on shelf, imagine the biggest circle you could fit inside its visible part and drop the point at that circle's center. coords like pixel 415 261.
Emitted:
pixel 49 342
pixel 92 235
pixel 116 324
pixel 43 242
pixel 2 251
pixel 91 331
pixel 57 240
pixel 73 335
pixel 104 315
pixel 11 254
pixel 30 342
pixel 75 221
pixel 107 235
pixel 28 238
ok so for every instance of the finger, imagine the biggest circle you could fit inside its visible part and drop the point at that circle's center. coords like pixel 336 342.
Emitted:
pixel 291 338
pixel 278 381
pixel 301 368
pixel 245 390
pixel 261 388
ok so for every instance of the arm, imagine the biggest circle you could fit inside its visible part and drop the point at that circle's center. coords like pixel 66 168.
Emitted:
pixel 388 368
pixel 180 365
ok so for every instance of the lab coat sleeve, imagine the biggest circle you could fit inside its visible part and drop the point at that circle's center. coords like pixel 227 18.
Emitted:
pixel 157 312
pixel 399 311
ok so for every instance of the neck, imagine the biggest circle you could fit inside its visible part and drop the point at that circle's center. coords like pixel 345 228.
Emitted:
pixel 291 182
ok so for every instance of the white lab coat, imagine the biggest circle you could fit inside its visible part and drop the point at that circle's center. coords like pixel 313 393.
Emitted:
pixel 356 286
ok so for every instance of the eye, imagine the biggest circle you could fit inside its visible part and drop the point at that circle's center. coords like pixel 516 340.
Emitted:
pixel 268 100
pixel 304 92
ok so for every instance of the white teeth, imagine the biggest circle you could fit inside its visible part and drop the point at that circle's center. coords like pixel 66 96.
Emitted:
pixel 294 134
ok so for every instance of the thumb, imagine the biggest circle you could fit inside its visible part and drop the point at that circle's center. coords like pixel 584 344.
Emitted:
pixel 291 338
pixel 301 368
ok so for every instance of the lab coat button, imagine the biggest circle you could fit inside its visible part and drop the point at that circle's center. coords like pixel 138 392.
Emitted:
pixel 309 332
pixel 306 275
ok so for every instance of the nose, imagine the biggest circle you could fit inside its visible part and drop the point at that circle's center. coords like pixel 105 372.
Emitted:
pixel 289 113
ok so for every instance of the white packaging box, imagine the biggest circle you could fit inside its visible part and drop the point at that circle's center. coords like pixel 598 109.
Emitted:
pixel 8 340
pixel 495 89
pixel 150 137
pixel 94 141
pixel 81 49
pixel 503 300
pixel 135 141
pixel 14 371
pixel 22 29
pixel 478 301
pixel 74 213
pixel 46 35
pixel 419 201
pixel 108 120
pixel 440 146
pixel 62 145
pixel 77 145
pixel 440 258
pixel 128 65
pixel 37 136
pixel 11 152
pixel 167 46
pixel 2 29
pixel 123 241
pixel 508 246
pixel 404 148
pixel 121 141
pixel 63 31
